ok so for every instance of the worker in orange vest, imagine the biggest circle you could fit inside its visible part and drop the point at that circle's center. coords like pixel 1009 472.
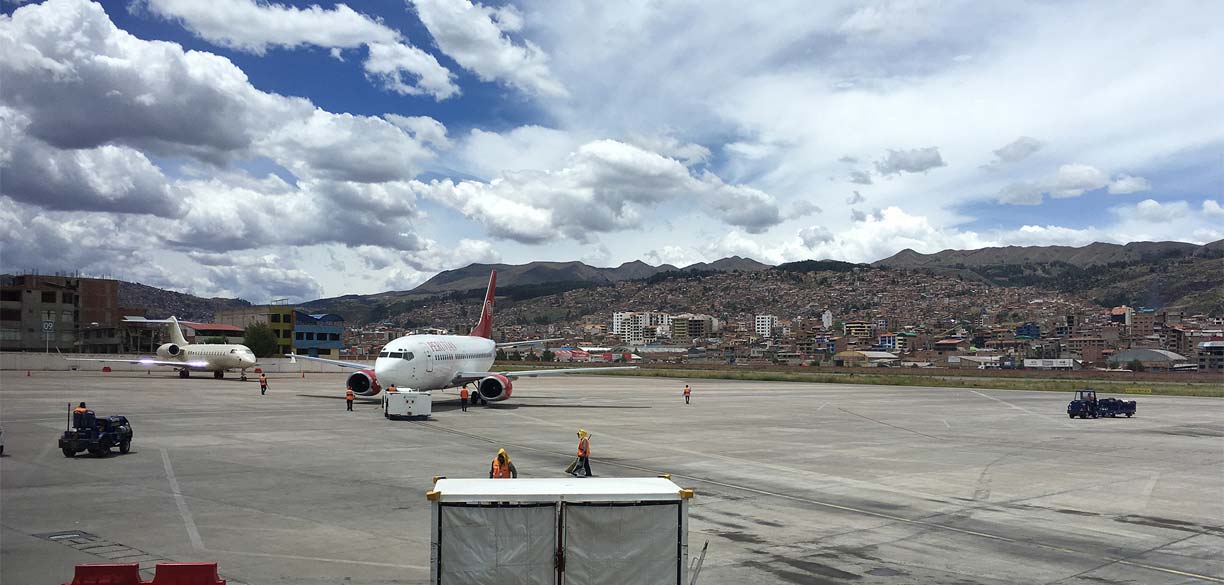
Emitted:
pixel 263 384
pixel 502 468
pixel 348 398
pixel 392 389
pixel 687 393
pixel 80 409
pixel 584 454
pixel 463 399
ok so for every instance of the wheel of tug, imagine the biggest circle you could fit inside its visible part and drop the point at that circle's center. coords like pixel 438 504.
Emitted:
pixel 184 373
pixel 218 374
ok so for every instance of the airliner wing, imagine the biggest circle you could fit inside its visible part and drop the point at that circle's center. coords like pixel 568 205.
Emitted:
pixel 144 362
pixel 293 358
pixel 527 342
pixel 462 377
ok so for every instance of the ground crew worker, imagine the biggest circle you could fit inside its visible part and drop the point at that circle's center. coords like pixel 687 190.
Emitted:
pixel 348 398
pixel 584 453
pixel 687 393
pixel 392 388
pixel 263 384
pixel 463 399
pixel 502 468
pixel 80 409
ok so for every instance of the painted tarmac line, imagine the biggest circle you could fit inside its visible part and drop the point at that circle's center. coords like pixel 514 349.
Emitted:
pixel 184 512
pixel 318 559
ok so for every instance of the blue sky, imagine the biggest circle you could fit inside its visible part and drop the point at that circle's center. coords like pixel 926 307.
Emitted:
pixel 278 149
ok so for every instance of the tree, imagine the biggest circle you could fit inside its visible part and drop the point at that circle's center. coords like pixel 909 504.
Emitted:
pixel 501 355
pixel 548 356
pixel 1135 366
pixel 215 339
pixel 516 356
pixel 260 338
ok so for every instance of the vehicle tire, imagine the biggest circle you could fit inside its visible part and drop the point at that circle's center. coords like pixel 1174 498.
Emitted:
pixel 184 373
pixel 68 452
pixel 1130 414
pixel 99 452
pixel 125 446
pixel 218 374
pixel 1070 416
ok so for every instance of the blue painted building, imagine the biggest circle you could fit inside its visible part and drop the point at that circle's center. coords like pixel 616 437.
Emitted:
pixel 318 335
pixel 1029 331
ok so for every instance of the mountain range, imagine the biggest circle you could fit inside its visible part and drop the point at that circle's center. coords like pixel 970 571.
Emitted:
pixel 1152 274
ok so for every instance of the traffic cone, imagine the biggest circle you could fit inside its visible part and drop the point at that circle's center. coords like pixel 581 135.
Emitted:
pixel 303 373
pixel 27 373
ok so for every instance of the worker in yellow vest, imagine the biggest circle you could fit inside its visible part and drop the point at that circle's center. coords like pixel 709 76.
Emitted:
pixel 348 398
pixel 502 468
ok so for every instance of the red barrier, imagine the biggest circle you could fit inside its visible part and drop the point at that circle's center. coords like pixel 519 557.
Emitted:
pixel 112 574
pixel 106 369
pixel 258 370
pixel 186 574
pixel 129 574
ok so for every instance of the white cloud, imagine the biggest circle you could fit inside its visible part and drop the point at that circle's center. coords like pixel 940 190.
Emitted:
pixel 1018 150
pixel 860 177
pixel 1152 211
pixel 686 152
pixel 256 277
pixel 814 235
pixel 526 148
pixel 605 186
pixel 917 160
pixel 1074 179
pixel 1126 184
pixel 802 208
pixel 475 36
pixel 1021 194
pixel 855 199
pixel 247 25
pixel 1212 208
pixel 423 128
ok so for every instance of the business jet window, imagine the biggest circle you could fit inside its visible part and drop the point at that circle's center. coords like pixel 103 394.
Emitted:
pixel 396 354
pixel 408 356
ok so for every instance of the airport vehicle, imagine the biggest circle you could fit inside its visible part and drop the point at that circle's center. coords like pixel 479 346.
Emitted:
pixel 185 357
pixel 88 432
pixel 1086 405
pixel 407 403
pixel 559 530
pixel 435 362
pixel 1 440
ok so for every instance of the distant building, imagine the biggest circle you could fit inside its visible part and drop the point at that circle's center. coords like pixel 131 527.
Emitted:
pixel 690 326
pixel 1211 356
pixel 863 359
pixel 951 346
pixel 317 335
pixel 1052 364
pixel 1158 360
pixel 279 318
pixel 203 332
pixel 1029 331
pixel 765 325
pixel 826 319
pixel 38 313
pixel 859 329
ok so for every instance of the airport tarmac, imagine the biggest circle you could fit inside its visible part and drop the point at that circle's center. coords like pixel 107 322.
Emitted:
pixel 796 483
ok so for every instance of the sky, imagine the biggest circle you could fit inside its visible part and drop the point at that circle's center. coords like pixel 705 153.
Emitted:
pixel 270 150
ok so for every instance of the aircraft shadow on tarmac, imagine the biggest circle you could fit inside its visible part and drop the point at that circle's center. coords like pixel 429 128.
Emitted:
pixel 453 404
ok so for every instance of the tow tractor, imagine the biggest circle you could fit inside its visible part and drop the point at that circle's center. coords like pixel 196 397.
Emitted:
pixel 98 435
pixel 1086 405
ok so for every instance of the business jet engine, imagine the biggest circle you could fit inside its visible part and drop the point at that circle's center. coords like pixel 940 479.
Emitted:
pixel 364 383
pixel 494 388
pixel 169 350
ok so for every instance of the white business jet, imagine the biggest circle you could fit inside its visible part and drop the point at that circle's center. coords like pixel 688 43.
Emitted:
pixel 185 357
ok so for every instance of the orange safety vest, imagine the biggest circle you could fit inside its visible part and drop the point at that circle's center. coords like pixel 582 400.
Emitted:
pixel 463 394
pixel 348 394
pixel 584 447
pixel 500 471
pixel 392 388
pixel 686 391
pixel 263 379
pixel 78 410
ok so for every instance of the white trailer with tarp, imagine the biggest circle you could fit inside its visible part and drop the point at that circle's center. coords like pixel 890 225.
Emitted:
pixel 559 531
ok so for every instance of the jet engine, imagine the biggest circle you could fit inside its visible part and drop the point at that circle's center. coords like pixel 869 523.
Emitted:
pixel 364 383
pixel 494 388
pixel 169 350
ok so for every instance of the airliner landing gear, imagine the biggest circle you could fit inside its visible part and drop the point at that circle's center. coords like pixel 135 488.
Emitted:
pixel 242 376
pixel 184 373
pixel 219 374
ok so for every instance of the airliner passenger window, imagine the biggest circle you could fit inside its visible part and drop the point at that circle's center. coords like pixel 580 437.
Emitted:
pixel 396 354
pixel 408 356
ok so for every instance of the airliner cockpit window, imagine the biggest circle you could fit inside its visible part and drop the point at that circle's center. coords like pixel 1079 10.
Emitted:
pixel 408 356
pixel 382 354
pixel 396 354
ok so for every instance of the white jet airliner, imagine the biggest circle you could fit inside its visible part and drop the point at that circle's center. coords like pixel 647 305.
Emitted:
pixel 185 357
pixel 434 362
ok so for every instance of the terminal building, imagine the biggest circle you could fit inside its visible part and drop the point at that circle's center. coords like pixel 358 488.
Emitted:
pixel 41 313
pixel 296 332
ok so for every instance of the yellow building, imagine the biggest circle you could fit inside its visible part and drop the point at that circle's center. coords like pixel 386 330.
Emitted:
pixel 279 319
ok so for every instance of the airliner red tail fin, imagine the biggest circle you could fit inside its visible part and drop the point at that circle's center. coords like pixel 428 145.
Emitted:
pixel 484 327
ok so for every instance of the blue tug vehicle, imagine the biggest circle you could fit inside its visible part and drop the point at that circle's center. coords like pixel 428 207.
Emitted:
pixel 1086 405
pixel 98 435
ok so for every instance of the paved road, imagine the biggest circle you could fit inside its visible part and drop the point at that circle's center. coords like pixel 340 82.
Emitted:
pixel 796 483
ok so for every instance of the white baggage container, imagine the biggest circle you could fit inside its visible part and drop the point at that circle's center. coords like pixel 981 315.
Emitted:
pixel 571 531
pixel 407 403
